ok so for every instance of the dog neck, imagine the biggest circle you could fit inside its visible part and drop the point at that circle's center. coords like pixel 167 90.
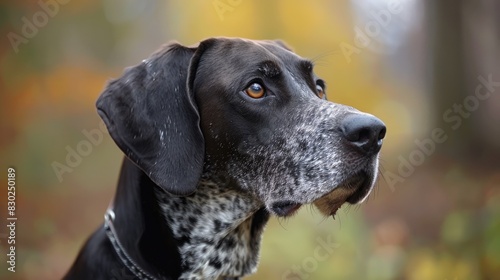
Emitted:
pixel 218 228
pixel 213 233
pixel 140 225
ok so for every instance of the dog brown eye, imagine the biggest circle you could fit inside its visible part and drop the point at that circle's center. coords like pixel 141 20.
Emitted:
pixel 320 91
pixel 255 90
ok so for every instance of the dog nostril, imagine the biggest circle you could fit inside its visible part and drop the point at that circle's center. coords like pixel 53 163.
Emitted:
pixel 364 131
pixel 381 134
pixel 362 136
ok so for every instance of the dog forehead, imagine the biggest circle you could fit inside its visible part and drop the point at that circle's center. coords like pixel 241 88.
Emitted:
pixel 280 51
pixel 246 52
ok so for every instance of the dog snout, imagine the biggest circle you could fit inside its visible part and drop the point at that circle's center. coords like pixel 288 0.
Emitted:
pixel 364 132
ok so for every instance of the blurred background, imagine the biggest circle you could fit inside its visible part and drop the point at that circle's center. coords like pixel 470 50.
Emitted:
pixel 429 69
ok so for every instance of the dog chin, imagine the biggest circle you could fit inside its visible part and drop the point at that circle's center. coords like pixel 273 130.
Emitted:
pixel 353 190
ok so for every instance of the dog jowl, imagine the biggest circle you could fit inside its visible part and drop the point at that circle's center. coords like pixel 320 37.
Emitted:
pixel 218 137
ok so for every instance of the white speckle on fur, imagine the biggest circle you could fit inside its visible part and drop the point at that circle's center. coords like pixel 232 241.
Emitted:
pixel 219 221
pixel 301 160
pixel 162 137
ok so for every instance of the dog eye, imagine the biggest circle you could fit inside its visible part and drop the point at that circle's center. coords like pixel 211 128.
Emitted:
pixel 320 91
pixel 255 90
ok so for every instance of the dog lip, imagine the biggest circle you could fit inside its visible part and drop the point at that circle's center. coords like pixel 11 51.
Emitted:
pixel 352 191
pixel 285 208
pixel 362 188
pixel 335 208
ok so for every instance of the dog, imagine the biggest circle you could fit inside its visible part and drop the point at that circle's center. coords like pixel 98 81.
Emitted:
pixel 217 138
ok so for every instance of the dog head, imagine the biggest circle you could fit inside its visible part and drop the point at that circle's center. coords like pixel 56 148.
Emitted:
pixel 252 111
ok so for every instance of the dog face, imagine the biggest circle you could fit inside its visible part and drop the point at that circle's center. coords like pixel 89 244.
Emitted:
pixel 268 126
pixel 251 111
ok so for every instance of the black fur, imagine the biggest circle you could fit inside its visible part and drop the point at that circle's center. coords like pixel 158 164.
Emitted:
pixel 206 164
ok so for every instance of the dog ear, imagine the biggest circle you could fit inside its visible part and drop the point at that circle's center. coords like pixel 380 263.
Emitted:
pixel 151 115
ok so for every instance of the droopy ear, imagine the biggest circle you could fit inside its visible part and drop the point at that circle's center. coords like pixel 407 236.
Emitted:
pixel 151 115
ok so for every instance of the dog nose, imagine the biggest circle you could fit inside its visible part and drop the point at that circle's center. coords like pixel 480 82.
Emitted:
pixel 364 131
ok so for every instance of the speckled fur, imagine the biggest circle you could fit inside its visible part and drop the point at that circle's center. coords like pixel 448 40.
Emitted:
pixel 301 159
pixel 214 226
pixel 214 223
